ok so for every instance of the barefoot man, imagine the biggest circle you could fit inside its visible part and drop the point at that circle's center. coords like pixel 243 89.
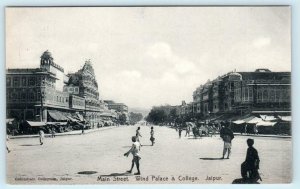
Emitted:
pixel 136 157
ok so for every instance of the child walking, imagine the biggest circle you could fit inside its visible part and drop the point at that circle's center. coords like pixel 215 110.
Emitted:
pixel 136 156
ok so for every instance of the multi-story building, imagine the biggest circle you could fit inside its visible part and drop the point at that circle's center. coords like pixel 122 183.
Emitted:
pixel 118 107
pixel 47 94
pixel 245 92
pixel 32 92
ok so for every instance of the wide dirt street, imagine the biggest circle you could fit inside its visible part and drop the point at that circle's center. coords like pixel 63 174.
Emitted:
pixel 99 156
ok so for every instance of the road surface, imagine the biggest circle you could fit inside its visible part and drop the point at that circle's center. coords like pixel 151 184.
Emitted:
pixel 97 158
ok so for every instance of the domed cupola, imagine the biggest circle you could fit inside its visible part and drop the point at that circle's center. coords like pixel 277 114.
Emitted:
pixel 46 58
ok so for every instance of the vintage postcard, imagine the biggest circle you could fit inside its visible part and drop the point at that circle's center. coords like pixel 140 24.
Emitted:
pixel 148 95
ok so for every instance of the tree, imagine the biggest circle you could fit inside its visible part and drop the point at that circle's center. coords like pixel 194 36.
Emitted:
pixel 135 117
pixel 123 118
pixel 157 115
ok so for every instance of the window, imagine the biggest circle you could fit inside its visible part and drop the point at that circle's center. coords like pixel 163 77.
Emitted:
pixel 246 93
pixel 14 96
pixel 8 81
pixel 250 93
pixel 38 96
pixel 23 96
pixel 265 97
pixel 8 95
pixel 259 95
pixel 16 82
pixel 31 81
pixel 31 96
pixel 272 95
pixel 76 89
pixel 24 83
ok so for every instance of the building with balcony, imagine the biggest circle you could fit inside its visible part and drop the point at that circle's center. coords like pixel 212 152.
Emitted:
pixel 245 92
pixel 47 94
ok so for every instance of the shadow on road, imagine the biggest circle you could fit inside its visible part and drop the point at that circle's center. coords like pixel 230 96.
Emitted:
pixel 211 158
pixel 30 145
pixel 116 174
pixel 126 146
pixel 194 138
pixel 87 172
pixel 242 181
pixel 141 146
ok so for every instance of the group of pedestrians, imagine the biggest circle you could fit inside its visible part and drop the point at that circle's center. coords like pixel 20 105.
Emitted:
pixel 136 147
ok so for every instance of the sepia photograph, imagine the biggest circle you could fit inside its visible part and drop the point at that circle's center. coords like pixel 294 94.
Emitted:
pixel 148 95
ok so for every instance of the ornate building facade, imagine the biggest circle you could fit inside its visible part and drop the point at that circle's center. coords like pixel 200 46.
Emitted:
pixel 47 94
pixel 261 91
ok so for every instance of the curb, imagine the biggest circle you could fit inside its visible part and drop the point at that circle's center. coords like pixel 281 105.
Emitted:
pixel 63 134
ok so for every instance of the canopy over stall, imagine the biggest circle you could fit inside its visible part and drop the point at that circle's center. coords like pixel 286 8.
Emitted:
pixel 268 117
pixel 285 118
pixel 266 123
pixel 36 123
pixel 57 116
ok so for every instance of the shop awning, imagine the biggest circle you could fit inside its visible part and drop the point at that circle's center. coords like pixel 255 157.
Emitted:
pixel 9 120
pixel 285 118
pixel 57 116
pixel 72 118
pixel 239 122
pixel 266 123
pixel 80 117
pixel 254 120
pixel 56 123
pixel 36 123
pixel 268 118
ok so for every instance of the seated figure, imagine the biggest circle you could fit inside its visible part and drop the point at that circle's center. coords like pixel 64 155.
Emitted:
pixel 249 168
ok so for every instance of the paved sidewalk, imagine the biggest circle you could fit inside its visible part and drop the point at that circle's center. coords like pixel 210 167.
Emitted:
pixel 75 132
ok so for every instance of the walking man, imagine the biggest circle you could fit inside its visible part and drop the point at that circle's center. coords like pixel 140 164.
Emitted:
pixel 136 157
pixel 138 135
pixel 53 132
pixel 42 136
pixel 152 139
pixel 227 135
pixel 188 129
pixel 179 131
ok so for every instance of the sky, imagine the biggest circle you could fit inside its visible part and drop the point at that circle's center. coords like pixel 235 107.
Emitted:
pixel 150 56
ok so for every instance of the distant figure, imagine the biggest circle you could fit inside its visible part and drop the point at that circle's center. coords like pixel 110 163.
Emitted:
pixel 227 135
pixel 152 139
pixel 249 168
pixel 246 129
pixel 53 132
pixel 7 139
pixel 188 130
pixel 255 130
pixel 138 135
pixel 42 136
pixel 179 131
pixel 82 129
pixel 136 157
